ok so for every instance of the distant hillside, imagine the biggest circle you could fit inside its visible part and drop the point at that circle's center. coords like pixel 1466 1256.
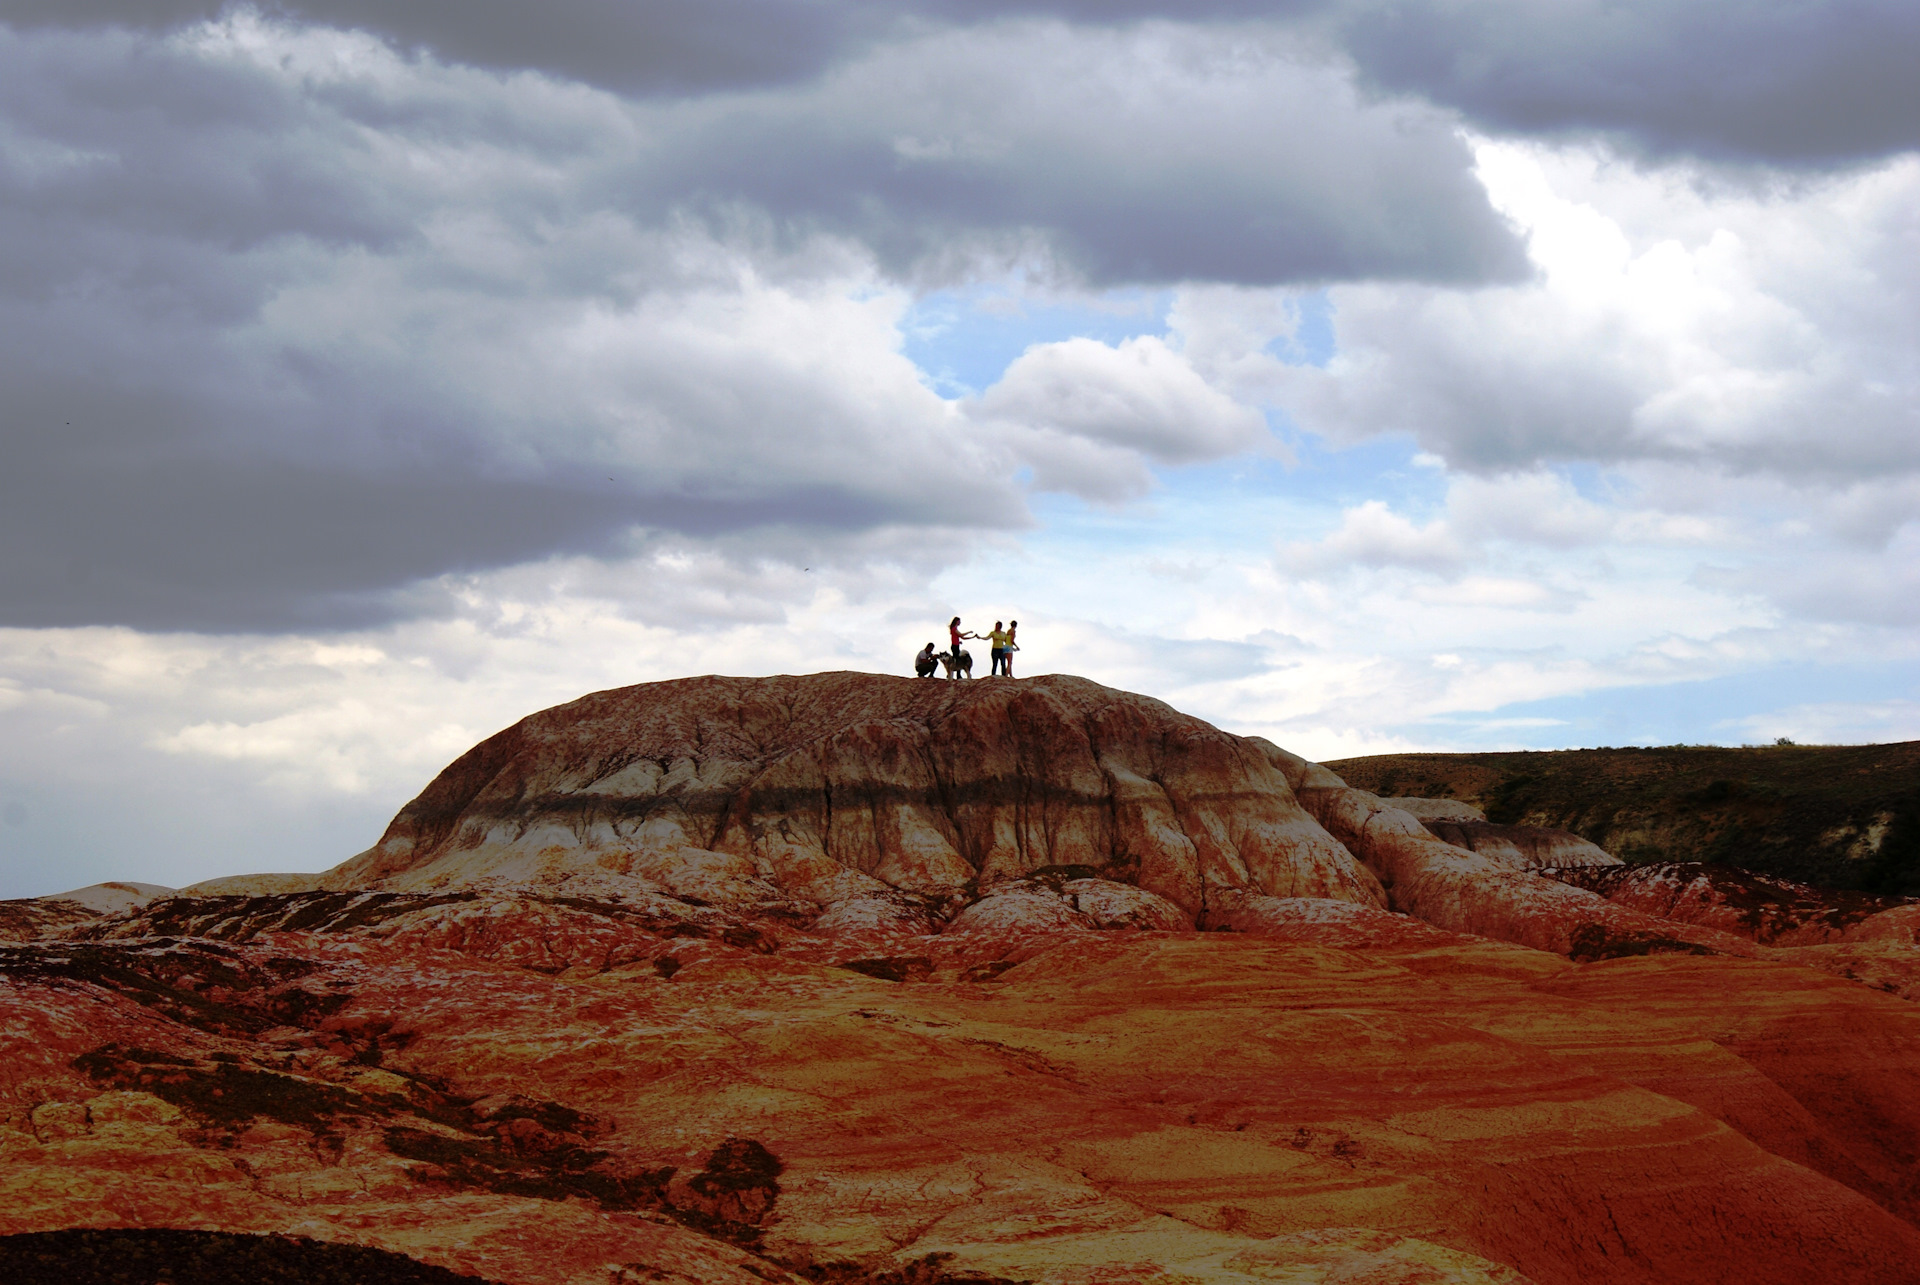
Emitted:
pixel 1837 816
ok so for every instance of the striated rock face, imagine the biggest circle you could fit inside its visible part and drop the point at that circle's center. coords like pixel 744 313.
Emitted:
pixel 1436 809
pixel 1494 895
pixel 1830 815
pixel 106 898
pixel 1899 926
pixel 830 786
pixel 1766 909
pixel 26 919
pixel 856 980
pixel 546 1090
pixel 252 885
pixel 1051 903
pixel 36 917
pixel 1524 847
pixel 1874 940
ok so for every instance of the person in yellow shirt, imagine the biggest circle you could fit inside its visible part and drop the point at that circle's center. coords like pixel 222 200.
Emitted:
pixel 1006 660
pixel 1001 641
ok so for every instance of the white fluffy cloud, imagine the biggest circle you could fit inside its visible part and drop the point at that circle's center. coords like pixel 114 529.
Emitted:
pixel 1087 416
pixel 1731 367
pixel 1530 520
pixel 1751 332
pixel 1372 535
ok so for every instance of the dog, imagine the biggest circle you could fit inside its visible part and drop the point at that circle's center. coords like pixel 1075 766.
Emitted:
pixel 959 664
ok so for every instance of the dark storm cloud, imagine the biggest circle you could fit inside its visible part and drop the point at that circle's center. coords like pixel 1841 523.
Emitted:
pixel 136 144
pixel 288 324
pixel 634 46
pixel 209 482
pixel 219 544
pixel 638 46
pixel 1159 157
pixel 1794 83
pixel 1134 157
pixel 1109 151
pixel 251 328
pixel 133 497
pixel 1788 82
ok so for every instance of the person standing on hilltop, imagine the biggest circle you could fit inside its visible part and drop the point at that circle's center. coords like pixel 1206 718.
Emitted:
pixel 1013 627
pixel 998 640
pixel 954 635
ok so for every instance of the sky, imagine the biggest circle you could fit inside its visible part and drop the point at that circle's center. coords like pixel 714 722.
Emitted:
pixel 1370 375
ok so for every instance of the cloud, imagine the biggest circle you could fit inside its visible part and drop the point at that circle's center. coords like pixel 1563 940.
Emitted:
pixel 1140 661
pixel 1534 511
pixel 1756 335
pixel 1817 579
pixel 1098 154
pixel 1083 414
pixel 1095 150
pixel 1506 593
pixel 658 47
pixel 1501 542
pixel 304 466
pixel 291 325
pixel 288 326
pixel 1372 535
pixel 1833 723
pixel 1534 508
pixel 1776 82
pixel 1799 83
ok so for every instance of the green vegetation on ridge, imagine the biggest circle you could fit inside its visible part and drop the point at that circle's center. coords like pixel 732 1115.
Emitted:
pixel 1835 816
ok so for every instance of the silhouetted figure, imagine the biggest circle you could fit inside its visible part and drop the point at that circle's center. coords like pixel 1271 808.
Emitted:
pixel 999 639
pixel 959 663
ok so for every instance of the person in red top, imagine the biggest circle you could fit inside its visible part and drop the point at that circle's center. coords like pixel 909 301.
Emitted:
pixel 954 635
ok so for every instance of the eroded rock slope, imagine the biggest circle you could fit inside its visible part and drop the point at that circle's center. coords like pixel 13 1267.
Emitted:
pixel 555 1091
pixel 861 980
pixel 828 786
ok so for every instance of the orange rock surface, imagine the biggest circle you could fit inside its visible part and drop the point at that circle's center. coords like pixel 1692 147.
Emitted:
pixel 824 787
pixel 549 1059
pixel 1493 894
pixel 1523 846
pixel 1769 910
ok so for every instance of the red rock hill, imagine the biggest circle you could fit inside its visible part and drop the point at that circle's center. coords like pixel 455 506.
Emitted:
pixel 861 980
pixel 832 785
pixel 902 801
